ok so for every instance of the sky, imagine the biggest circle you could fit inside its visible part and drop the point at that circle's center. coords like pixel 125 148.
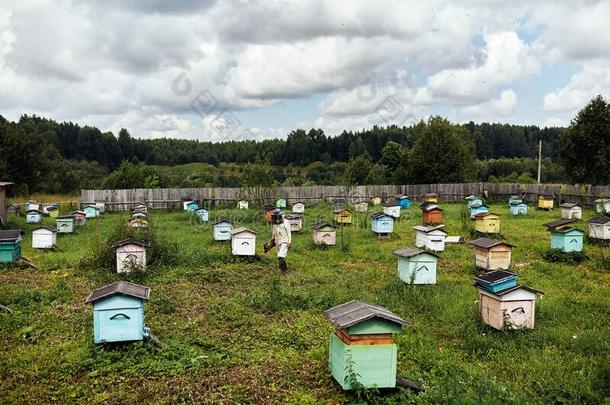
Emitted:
pixel 237 69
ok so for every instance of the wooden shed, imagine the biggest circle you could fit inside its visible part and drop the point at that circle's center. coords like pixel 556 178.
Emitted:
pixel 404 201
pixel 416 266
pixel 431 213
pixel 202 214
pixel 363 342
pixel 242 205
pixel 392 210
pixel 430 237
pixel 80 217
pixel 599 228
pixel 513 307
pixel 546 201
pixel 10 245
pixel 280 203
pixel 487 222
pixel 571 211
pixel 382 223
pixel 492 254
pixel 431 197
pixel 65 223
pixel 222 229
pixel 361 206
pixel 91 211
pixel 44 237
pixel 118 312
pixel 130 255
pixel 343 216
pixel 243 242
pixel 298 207
pixel 518 209
pixel 324 233
pixel 268 212
pixel 478 209
pixel 192 206
pixel 474 200
pixel 33 217
pixel 295 221
pixel 602 205
pixel 3 200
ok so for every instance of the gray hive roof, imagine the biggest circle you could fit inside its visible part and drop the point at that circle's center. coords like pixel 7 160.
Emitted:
pixel 354 312
pixel 221 220
pixel 320 225
pixel 558 223
pixel 566 230
pixel 47 227
pixel 119 287
pixel 495 276
pixel 380 214
pixel 430 195
pixel 411 252
pixel 569 205
pixel 240 230
pixel 599 220
pixel 10 234
pixel 130 241
pixel 484 214
pixel 487 243
pixel 66 217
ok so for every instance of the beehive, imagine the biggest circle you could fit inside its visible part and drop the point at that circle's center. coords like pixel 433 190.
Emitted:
pixel 430 237
pixel 130 255
pixel 10 245
pixel 343 216
pixel 487 222
pixel 324 233
pixel 474 200
pixel 44 237
pixel 571 211
pixel 243 242
pixel 382 223
pixel 392 210
pixel 518 209
pixel 222 229
pixel 599 228
pixel 492 254
pixel 546 201
pixel 298 207
pixel 66 223
pixel 416 266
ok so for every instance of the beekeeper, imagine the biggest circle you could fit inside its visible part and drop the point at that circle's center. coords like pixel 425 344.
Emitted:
pixel 281 236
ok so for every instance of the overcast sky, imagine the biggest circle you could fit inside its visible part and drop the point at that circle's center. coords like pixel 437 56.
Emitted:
pixel 217 70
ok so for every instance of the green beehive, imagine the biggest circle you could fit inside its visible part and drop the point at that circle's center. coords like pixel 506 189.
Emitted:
pixel 65 223
pixel 362 347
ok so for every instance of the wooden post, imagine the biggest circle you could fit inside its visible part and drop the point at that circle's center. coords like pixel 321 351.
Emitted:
pixel 539 158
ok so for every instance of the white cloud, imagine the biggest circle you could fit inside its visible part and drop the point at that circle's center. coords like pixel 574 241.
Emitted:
pixel 493 110
pixel 594 79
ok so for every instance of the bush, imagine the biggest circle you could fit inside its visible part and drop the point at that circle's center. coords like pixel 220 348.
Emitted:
pixel 556 255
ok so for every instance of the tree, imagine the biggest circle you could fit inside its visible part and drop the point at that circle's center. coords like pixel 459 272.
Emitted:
pixel 585 147
pixel 358 170
pixel 392 155
pixel 442 153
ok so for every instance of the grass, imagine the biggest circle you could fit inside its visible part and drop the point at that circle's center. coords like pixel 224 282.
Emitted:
pixel 235 330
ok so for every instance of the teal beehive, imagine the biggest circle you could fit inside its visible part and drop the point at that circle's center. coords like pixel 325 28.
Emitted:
pixel 404 201
pixel 203 214
pixel 222 229
pixel 474 200
pixel 519 208
pixel 10 245
pixel 514 199
pixel 382 223
pixel 91 211
pixel 192 206
pixel 65 223
pixel 416 266
pixel 567 239
pixel 118 312
pixel 478 209
pixel 362 347
pixel 280 203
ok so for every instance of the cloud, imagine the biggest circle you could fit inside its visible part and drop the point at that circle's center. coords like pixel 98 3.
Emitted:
pixel 493 110
pixel 594 79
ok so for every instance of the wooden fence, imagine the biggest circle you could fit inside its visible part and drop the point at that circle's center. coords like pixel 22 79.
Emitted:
pixel 170 198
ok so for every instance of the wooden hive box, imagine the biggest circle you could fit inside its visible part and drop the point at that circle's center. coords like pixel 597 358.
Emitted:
pixel 518 209
pixel 431 213
pixel 222 229
pixel 602 205
pixel 280 203
pixel 203 214
pixel 492 254
pixel 430 237
pixel 91 211
pixel 243 242
pixel 80 217
pixel 118 312
pixel 324 233
pixel 404 201
pixel 382 223
pixel 295 221
pixel 431 197
pixel 474 200
pixel 478 209
pixel 192 206
pixel 567 239
pixel 298 207
pixel 392 210
pixel 65 223
pixel 416 266
pixel 242 205
pixel 33 217
pixel 361 206
pixel 138 222
pixel 513 307
pixel 487 222
pixel 10 245
pixel 130 255
pixel 44 237
pixel 546 201
pixel 363 345
pixel 571 211
pixel 599 228
pixel 343 216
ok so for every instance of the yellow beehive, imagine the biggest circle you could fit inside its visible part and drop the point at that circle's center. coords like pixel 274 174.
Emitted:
pixel 487 222
pixel 545 202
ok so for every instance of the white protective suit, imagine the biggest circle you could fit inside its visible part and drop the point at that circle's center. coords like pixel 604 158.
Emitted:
pixel 282 237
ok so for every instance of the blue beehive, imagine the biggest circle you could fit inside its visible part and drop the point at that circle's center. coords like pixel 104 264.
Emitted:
pixel 118 312
pixel 496 281
pixel 192 206
pixel 514 199
pixel 33 216
pixel 567 239
pixel 518 209
pixel 203 214
pixel 404 201
pixel 222 229
pixel 91 211
pixel 474 200
pixel 382 223
pixel 478 209
pixel 10 246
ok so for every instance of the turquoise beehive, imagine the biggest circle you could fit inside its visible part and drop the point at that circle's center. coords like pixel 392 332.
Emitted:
pixel 91 211
pixel 222 229
pixel 65 223
pixel 567 239
pixel 192 206
pixel 10 245
pixel 518 209
pixel 416 266
pixel 474 200
pixel 514 199
pixel 118 312
pixel 382 223
pixel 404 201
pixel 478 209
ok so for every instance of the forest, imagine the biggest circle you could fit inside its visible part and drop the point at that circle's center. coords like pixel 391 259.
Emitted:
pixel 43 155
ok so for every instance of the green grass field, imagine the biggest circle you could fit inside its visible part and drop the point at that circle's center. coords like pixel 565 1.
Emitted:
pixel 234 330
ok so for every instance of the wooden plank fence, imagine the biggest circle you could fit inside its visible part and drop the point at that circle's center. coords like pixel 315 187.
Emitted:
pixel 170 198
